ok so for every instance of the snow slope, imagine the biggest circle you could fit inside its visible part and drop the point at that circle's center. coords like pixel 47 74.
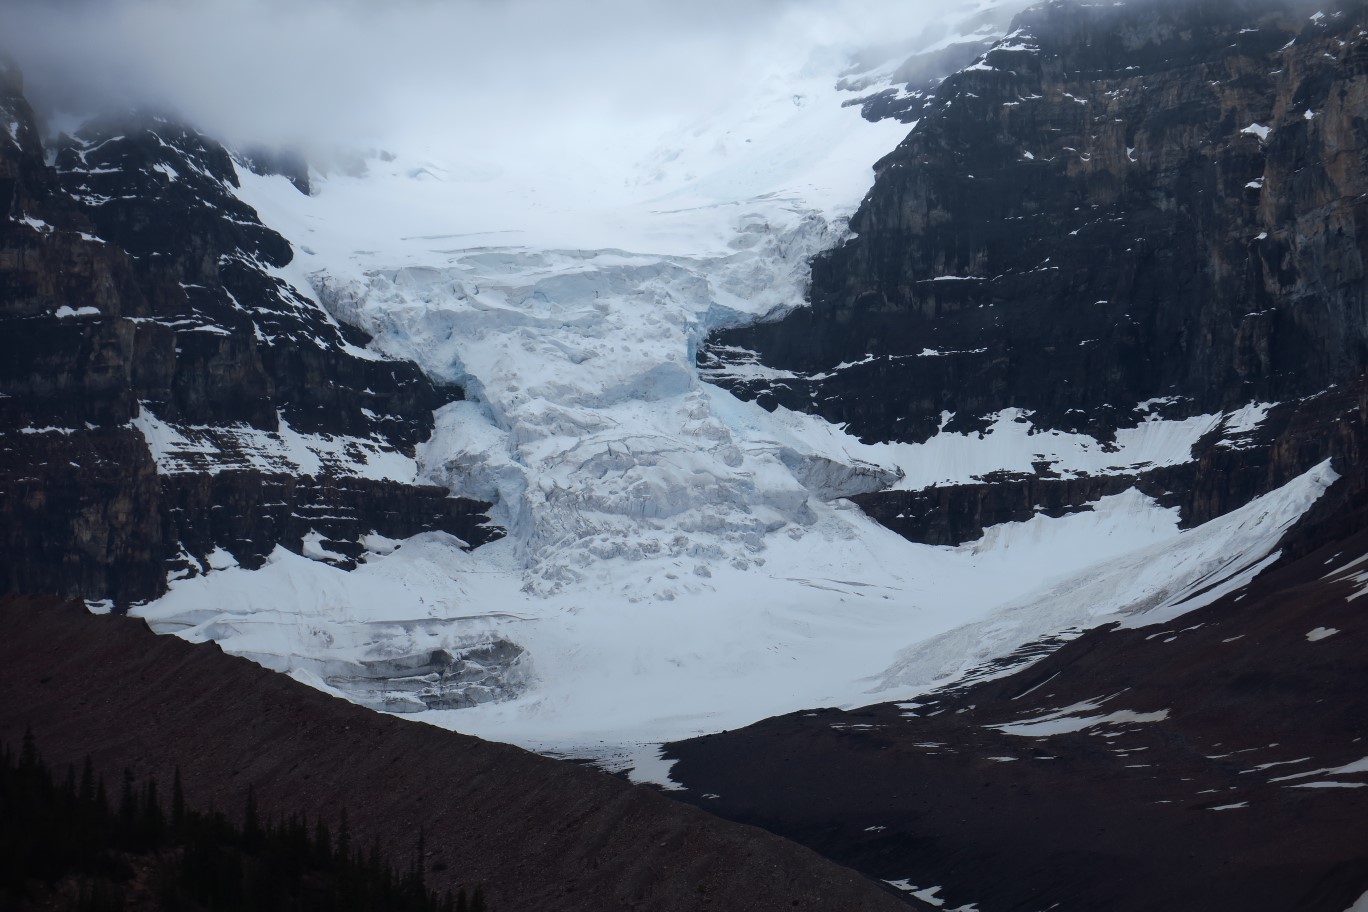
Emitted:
pixel 678 561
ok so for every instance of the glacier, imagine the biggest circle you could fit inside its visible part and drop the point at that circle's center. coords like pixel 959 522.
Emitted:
pixel 678 561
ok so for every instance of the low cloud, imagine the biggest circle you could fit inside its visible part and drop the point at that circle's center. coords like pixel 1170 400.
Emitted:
pixel 320 72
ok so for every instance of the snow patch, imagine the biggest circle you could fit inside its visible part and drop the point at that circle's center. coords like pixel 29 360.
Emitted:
pixel 66 311
pixel 188 448
pixel 314 549
pixel 1142 584
pixel 379 544
pixel 1012 444
pixel 37 225
pixel 1358 766
pixel 219 559
pixel 649 765
pixel 1061 722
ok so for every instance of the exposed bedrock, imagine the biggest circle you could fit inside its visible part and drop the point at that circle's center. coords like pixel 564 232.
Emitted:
pixel 1117 204
pixel 1222 476
pixel 249 513
pixel 82 515
pixel 137 292
pixel 954 514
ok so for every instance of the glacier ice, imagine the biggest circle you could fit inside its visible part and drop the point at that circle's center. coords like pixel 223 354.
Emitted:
pixel 679 561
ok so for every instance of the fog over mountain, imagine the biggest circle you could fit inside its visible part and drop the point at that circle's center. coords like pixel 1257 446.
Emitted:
pixel 501 74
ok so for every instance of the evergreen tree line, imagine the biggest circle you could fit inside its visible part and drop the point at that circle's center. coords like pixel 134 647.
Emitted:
pixel 70 845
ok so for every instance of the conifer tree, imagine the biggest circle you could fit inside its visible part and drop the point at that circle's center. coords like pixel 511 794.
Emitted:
pixel 177 802
pixel 251 822
pixel 323 851
pixel 87 788
pixel 343 840
pixel 28 751
pixel 128 803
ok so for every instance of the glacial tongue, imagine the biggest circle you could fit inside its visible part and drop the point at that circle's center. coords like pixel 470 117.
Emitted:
pixel 590 421
pixel 679 559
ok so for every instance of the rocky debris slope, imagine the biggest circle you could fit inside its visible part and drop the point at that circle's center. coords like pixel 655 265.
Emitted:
pixel 168 401
pixel 1218 760
pixel 535 833
pixel 1119 212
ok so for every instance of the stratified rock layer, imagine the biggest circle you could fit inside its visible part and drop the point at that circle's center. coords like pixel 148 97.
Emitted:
pixel 137 292
pixel 1118 203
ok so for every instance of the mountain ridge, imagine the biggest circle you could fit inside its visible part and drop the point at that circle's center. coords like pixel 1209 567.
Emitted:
pixel 146 310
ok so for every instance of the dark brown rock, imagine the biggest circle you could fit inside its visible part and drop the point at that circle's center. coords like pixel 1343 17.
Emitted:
pixel 249 513
pixel 1090 220
pixel 536 833
pixel 1200 805
pixel 83 515
pixel 1087 224
pixel 132 280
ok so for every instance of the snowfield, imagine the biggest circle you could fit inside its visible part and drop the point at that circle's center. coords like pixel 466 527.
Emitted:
pixel 678 561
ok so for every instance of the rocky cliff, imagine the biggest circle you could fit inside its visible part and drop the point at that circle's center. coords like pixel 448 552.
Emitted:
pixel 165 394
pixel 1122 217
pixel 1213 761
pixel 1119 211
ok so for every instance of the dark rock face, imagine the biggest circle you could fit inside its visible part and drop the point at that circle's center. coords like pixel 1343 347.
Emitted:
pixel 951 514
pixel 921 74
pixel 134 288
pixel 1119 203
pixel 1073 228
pixel 83 515
pixel 246 345
pixel 248 513
pixel 1223 476
pixel 1122 202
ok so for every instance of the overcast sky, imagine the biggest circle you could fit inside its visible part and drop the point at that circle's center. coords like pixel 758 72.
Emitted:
pixel 358 71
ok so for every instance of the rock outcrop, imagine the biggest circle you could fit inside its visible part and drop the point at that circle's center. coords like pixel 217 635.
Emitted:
pixel 1216 760
pixel 163 392
pixel 1160 203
